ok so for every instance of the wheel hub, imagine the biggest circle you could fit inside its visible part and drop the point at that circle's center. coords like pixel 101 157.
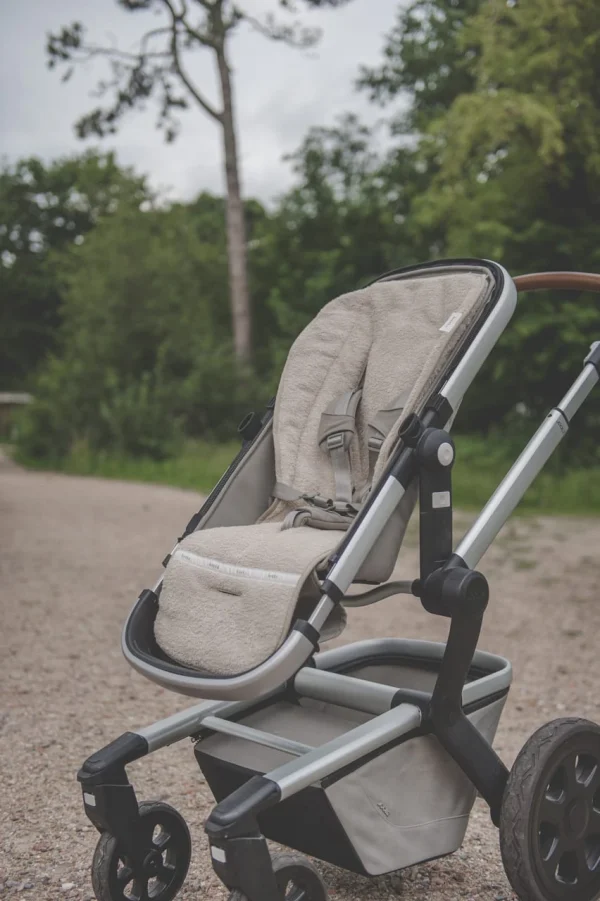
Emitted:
pixel 577 818
pixel 152 863
pixel 568 827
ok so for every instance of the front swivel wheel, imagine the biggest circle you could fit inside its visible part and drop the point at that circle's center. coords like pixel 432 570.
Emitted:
pixel 165 839
pixel 297 879
pixel 550 819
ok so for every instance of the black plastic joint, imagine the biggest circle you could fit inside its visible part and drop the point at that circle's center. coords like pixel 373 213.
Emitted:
pixel 435 450
pixel 332 591
pixel 442 408
pixel 450 589
pixel 244 863
pixel 107 766
pixel 594 356
pixel 114 809
pixel 191 526
pixel 305 628
pixel 236 814
pixel 411 430
pixel 250 426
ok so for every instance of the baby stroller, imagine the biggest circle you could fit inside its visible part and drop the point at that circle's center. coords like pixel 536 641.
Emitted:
pixel 368 756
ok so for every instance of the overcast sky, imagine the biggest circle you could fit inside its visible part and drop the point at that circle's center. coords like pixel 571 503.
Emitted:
pixel 281 92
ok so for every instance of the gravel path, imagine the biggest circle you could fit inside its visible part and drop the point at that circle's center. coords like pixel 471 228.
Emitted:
pixel 74 554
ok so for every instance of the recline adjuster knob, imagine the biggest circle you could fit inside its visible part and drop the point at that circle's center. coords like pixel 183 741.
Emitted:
pixel 435 449
pixel 446 590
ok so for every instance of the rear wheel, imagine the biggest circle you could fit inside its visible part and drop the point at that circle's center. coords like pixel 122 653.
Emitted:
pixel 550 819
pixel 296 877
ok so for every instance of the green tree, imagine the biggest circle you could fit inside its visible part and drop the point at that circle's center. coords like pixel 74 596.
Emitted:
pixel 46 208
pixel 158 69
pixel 426 62
pixel 145 350
pixel 499 103
pixel 517 178
pixel 339 227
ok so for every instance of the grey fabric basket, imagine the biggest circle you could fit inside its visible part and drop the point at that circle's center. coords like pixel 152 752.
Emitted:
pixel 408 803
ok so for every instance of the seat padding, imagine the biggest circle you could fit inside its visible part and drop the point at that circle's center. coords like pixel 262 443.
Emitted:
pixel 399 334
pixel 230 594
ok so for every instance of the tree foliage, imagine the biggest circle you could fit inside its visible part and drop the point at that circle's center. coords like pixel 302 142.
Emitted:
pixel 517 178
pixel 493 113
pixel 157 70
pixel 145 348
pixel 45 208
pixel 426 61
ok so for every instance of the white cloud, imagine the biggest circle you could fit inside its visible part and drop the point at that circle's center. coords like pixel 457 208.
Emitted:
pixel 280 93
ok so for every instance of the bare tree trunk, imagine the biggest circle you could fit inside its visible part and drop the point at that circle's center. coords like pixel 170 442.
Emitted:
pixel 236 226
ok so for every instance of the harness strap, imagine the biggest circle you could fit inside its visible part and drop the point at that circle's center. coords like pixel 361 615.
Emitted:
pixel 284 492
pixel 336 430
pixel 382 423
pixel 317 518
pixel 319 512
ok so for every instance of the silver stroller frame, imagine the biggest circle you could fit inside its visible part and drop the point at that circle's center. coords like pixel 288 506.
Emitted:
pixel 448 586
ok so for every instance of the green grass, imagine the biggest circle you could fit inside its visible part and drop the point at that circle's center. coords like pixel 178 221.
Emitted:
pixel 480 467
pixel 199 466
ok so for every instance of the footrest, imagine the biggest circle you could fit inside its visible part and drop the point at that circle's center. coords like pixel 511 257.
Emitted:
pixel 142 652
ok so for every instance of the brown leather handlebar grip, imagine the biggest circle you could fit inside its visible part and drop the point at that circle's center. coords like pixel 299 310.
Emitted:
pixel 561 281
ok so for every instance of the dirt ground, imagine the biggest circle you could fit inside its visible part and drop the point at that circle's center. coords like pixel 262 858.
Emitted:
pixel 74 554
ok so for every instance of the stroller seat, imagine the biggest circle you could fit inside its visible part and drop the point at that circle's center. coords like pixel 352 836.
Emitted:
pixel 251 566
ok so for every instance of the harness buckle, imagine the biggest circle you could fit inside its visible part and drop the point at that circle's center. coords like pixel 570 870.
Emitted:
pixel 374 443
pixel 335 441
pixel 314 500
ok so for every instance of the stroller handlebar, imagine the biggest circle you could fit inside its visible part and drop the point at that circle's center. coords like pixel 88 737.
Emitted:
pixel 562 281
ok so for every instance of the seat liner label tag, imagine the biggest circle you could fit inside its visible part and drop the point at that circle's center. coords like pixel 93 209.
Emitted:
pixel 242 572
pixel 451 321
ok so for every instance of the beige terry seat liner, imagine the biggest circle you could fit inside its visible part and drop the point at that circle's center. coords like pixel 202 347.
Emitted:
pixel 234 593
pixel 230 594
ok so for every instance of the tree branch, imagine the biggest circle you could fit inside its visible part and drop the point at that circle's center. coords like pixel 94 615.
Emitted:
pixel 201 37
pixel 166 29
pixel 206 106
pixel 86 52
pixel 294 35
pixel 210 5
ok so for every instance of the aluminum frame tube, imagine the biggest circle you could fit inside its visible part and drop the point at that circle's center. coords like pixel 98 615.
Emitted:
pixel 345 749
pixel 507 495
pixel 256 736
pixel 345 691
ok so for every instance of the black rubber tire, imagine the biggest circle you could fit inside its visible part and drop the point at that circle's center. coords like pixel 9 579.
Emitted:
pixel 535 848
pixel 297 869
pixel 108 859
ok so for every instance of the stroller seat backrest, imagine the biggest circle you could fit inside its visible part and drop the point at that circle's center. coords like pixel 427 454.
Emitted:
pixel 366 361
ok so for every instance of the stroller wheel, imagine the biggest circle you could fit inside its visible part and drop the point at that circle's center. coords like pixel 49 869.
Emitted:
pixel 550 819
pixel 296 877
pixel 166 839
